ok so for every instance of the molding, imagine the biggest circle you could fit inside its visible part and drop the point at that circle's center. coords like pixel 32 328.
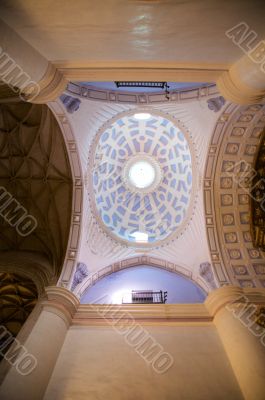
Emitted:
pixel 65 304
pixel 71 257
pixel 155 71
pixel 113 96
pixel 134 262
pixel 206 272
pixel 145 314
pixel 235 139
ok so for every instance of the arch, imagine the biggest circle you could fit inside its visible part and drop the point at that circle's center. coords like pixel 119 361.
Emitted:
pixel 134 262
pixel 117 287
pixel 73 245
pixel 29 265
pixel 232 151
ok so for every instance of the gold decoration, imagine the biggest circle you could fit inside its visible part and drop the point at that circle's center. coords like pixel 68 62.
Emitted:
pixel 258 198
pixel 260 316
pixel 18 296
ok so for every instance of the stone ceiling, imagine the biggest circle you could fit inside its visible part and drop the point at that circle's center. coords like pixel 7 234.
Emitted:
pixel 147 30
pixel 35 174
pixel 18 296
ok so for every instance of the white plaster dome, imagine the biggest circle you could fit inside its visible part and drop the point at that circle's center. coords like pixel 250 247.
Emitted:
pixel 141 177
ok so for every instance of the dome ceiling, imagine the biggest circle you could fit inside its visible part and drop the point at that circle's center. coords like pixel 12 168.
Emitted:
pixel 141 172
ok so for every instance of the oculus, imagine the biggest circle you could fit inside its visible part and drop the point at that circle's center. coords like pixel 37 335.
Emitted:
pixel 141 174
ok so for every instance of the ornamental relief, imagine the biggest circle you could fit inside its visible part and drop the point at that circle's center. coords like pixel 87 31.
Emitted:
pixel 120 209
pixel 227 186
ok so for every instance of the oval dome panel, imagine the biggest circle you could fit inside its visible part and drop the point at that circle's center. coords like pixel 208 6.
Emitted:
pixel 142 179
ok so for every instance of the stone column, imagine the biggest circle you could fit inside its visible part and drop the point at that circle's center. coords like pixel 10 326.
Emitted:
pixel 244 83
pixel 244 341
pixel 43 344
pixel 25 70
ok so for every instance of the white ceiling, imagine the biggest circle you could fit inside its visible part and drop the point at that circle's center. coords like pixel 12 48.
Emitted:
pixel 200 121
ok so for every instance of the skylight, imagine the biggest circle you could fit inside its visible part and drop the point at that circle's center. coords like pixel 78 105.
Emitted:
pixel 140 237
pixel 142 174
pixel 142 116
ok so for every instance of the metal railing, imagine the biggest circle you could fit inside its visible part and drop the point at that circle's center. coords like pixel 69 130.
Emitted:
pixel 146 297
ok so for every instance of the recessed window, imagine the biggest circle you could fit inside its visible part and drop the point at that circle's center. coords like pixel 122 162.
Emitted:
pixel 142 116
pixel 140 237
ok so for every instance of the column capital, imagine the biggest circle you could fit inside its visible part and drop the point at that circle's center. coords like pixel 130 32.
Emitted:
pixel 219 298
pixel 24 68
pixel 61 302
pixel 244 83
pixel 51 85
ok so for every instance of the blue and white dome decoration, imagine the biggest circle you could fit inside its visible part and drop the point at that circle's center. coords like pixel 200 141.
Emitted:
pixel 141 172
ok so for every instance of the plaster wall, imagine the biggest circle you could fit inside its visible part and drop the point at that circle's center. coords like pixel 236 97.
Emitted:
pixel 95 362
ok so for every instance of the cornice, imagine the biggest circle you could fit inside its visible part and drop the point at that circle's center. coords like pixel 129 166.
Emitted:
pixel 145 314
pixel 66 305
pixel 135 70
pixel 93 93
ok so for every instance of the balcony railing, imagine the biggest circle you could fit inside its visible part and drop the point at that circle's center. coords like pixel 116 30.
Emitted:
pixel 145 297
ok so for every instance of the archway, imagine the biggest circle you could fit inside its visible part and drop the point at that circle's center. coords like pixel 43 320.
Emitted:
pixel 117 288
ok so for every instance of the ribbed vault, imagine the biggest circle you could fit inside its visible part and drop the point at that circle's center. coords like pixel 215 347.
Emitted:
pixel 18 296
pixel 35 175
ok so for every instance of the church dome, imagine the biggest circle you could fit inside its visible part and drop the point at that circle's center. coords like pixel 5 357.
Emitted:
pixel 141 172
